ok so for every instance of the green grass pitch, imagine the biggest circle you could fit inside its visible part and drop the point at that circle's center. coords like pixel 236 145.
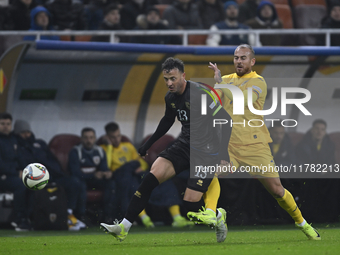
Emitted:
pixel 260 240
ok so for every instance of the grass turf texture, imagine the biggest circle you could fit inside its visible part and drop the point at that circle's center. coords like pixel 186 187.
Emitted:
pixel 166 240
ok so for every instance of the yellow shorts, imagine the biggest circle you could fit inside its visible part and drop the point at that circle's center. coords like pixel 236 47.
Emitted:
pixel 255 159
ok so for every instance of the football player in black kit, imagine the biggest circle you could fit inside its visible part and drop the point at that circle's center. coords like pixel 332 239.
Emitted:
pixel 198 145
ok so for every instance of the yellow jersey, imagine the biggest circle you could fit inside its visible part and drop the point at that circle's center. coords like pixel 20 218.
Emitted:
pixel 243 133
pixel 124 153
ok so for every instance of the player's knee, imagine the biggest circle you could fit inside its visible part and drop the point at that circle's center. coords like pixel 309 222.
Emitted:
pixel 192 195
pixel 277 191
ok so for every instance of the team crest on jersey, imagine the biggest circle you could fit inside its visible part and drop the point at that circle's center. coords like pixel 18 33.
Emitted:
pixel 173 105
pixel 96 160
pixel 187 104
pixel 125 149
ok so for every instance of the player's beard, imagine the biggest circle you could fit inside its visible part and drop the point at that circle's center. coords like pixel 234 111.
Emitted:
pixel 244 71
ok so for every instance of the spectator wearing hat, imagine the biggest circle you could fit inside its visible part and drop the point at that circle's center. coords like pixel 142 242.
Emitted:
pixel 111 22
pixel 231 11
pixel 266 18
pixel 152 21
pixel 32 150
pixel 40 21
pixel 183 14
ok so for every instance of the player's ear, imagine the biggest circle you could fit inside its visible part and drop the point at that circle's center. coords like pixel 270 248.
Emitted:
pixel 252 61
pixel 183 75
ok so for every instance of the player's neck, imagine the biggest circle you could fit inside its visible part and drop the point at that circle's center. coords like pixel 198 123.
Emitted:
pixel 183 88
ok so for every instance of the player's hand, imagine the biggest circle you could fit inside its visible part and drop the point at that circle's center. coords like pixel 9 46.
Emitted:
pixel 142 152
pixel 225 167
pixel 217 72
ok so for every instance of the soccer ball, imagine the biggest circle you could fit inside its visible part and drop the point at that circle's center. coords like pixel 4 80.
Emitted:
pixel 35 176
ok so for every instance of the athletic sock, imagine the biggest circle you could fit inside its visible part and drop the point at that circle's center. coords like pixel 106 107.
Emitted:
pixel 212 195
pixel 127 225
pixel 193 206
pixel 287 202
pixel 142 214
pixel 174 211
pixel 302 223
pixel 141 197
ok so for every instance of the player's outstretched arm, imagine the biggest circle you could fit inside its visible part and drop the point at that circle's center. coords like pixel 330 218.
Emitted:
pixel 164 125
pixel 217 72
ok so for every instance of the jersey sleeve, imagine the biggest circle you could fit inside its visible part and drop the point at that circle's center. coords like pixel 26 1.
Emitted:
pixel 259 87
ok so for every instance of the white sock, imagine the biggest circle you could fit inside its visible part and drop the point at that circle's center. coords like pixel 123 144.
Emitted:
pixel 69 211
pixel 144 216
pixel 302 223
pixel 127 224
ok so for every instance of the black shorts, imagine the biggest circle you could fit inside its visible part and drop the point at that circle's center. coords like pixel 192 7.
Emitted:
pixel 179 155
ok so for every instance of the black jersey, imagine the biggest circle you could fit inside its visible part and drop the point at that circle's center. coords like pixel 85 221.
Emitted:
pixel 198 130
pixel 179 105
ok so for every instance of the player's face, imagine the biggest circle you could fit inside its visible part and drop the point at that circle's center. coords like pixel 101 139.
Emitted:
pixel 88 139
pixel 115 138
pixel 5 126
pixel 243 61
pixel 318 131
pixel 175 81
pixel 277 134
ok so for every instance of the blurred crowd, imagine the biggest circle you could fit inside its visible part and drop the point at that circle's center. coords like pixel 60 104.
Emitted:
pixel 112 15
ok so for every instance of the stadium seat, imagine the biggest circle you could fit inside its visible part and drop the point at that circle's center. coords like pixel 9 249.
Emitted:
pixel 160 145
pixel 61 145
pixel 335 138
pixel 197 39
pixel 161 8
pixel 295 137
pixel 285 15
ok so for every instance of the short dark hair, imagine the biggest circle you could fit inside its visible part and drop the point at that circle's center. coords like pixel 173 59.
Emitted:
pixel 319 121
pixel 5 116
pixel 172 63
pixel 110 8
pixel 111 127
pixel 87 129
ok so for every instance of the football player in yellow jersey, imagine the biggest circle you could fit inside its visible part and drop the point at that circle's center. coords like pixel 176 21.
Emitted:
pixel 125 163
pixel 248 146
